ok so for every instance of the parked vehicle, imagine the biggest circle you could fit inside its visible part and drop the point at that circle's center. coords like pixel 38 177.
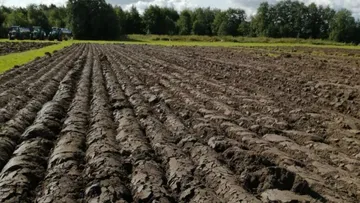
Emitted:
pixel 38 33
pixel 17 32
pixel 56 34
pixel 67 34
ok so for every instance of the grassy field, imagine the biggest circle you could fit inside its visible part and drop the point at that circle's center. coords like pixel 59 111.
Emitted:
pixel 235 41
pixel 10 60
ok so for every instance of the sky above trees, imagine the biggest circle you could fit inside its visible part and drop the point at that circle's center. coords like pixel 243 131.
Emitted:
pixel 249 6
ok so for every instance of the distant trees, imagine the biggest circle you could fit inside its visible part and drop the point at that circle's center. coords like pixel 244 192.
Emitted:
pixel 2 20
pixel 96 19
pixel 134 22
pixel 36 16
pixel 184 23
pixel 202 19
pixel 33 15
pixel 160 20
pixel 294 19
pixel 343 27
pixel 93 20
pixel 228 22
pixel 16 17
pixel 58 16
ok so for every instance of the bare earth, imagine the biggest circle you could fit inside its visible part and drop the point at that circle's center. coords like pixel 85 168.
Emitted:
pixel 14 47
pixel 131 123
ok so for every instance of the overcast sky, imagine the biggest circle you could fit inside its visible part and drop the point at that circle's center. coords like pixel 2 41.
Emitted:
pixel 248 5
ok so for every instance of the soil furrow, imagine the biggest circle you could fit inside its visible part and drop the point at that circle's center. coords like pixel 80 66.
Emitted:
pixel 139 123
pixel 33 71
pixel 21 75
pixel 13 47
pixel 15 98
pixel 209 119
pixel 221 118
pixel 105 172
pixel 319 89
pixel 148 182
pixel 26 169
pixel 65 164
pixel 217 170
pixel 160 134
pixel 265 124
pixel 179 169
pixel 11 131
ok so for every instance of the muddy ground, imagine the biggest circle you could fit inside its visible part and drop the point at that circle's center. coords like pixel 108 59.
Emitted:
pixel 14 47
pixel 137 123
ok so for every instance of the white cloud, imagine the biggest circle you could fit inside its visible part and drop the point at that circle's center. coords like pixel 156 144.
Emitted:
pixel 176 4
pixel 250 6
pixel 24 3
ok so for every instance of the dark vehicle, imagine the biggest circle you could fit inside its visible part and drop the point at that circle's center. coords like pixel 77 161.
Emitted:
pixel 67 34
pixel 38 33
pixel 55 34
pixel 17 32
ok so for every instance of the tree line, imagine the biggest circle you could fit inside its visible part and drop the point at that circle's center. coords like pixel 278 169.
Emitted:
pixel 33 15
pixel 96 19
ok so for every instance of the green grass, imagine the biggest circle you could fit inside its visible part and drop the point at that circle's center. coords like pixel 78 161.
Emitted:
pixel 235 41
pixel 10 60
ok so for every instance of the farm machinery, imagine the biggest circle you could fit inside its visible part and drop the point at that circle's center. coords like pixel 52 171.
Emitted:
pixel 38 33
pixel 67 34
pixel 59 34
pixel 56 34
pixel 17 32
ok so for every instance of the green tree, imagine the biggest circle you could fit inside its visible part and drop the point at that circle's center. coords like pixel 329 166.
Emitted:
pixel 170 26
pixel 312 22
pixel 343 27
pixel 121 15
pixel 88 19
pixel 160 20
pixel 198 28
pixel 220 17
pixel 184 23
pixel 154 20
pixel 262 21
pixel 223 29
pixel 357 36
pixel 202 21
pixel 37 17
pixel 2 20
pixel 57 16
pixel 171 17
pixel 244 29
pixel 171 13
pixel 133 22
pixel 327 14
pixel 17 17
pixel 234 17
pixel 290 18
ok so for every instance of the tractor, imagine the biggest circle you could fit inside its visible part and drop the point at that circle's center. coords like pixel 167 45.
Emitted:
pixel 56 33
pixel 38 33
pixel 67 34
pixel 17 32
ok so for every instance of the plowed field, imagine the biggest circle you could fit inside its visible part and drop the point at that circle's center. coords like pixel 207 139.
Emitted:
pixel 13 47
pixel 131 123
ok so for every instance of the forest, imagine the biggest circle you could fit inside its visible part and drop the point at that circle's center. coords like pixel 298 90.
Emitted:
pixel 99 20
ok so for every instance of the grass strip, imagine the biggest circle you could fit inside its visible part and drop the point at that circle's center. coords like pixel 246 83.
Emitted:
pixel 10 60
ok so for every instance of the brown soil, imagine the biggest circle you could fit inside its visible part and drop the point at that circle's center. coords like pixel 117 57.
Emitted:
pixel 14 47
pixel 131 123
